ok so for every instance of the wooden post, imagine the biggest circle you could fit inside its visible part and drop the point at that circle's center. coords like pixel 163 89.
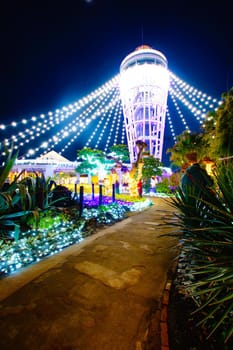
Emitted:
pixel 93 191
pixel 80 200
pixel 100 194
pixel 113 192
pixel 75 189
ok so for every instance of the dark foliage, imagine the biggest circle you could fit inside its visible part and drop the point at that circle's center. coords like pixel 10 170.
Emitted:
pixel 61 196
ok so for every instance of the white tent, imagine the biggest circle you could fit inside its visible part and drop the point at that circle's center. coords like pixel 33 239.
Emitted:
pixel 52 157
pixel 49 164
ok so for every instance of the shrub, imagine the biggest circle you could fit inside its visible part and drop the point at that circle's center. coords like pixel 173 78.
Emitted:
pixel 206 229
pixel 61 196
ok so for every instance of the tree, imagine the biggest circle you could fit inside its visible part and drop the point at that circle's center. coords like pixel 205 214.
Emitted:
pixel 209 135
pixel 141 145
pixel 224 126
pixel 151 167
pixel 94 162
pixel 218 129
pixel 188 148
pixel 119 153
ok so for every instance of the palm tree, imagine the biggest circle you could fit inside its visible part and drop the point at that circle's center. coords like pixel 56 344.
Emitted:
pixel 141 145
pixel 186 150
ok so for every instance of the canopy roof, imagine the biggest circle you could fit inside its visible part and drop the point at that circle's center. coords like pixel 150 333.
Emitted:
pixel 50 158
pixel 53 157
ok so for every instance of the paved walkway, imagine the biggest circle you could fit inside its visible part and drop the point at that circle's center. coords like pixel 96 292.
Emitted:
pixel 102 294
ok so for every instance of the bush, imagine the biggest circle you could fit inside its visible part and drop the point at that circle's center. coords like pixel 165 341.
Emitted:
pixel 163 186
pixel 206 229
pixel 62 197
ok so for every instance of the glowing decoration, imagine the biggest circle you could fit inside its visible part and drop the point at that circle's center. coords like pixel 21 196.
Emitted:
pixel 134 176
pixel 97 120
pixel 180 114
pixel 36 244
pixel 144 82
pixel 171 126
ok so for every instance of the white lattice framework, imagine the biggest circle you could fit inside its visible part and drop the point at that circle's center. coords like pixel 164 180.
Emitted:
pixel 144 83
pixel 97 121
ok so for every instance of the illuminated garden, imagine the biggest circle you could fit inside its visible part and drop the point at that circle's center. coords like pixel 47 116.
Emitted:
pixel 117 138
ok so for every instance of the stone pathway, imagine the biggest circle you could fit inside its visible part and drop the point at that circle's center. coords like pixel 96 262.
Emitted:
pixel 101 294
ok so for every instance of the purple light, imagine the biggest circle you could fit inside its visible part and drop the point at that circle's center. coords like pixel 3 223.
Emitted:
pixel 94 203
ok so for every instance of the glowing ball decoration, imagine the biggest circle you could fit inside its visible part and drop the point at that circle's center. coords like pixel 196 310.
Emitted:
pixel 144 83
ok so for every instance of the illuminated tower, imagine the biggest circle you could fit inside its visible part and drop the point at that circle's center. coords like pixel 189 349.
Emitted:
pixel 144 82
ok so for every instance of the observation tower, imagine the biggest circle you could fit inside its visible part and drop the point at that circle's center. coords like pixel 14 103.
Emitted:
pixel 144 83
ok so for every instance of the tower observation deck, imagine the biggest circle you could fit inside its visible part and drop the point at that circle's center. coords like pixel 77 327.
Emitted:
pixel 144 83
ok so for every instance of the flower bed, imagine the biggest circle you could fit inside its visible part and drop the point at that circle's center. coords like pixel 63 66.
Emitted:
pixel 35 244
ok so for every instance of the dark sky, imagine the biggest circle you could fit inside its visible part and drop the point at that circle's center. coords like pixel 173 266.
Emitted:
pixel 53 53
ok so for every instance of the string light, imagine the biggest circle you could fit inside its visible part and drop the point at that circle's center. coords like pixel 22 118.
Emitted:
pixel 99 115
pixel 170 123
pixel 180 114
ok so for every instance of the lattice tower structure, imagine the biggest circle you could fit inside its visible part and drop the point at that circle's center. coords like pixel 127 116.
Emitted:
pixel 144 84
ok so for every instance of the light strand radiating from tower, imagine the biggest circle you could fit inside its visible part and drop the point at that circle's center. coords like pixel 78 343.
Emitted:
pixel 144 83
pixel 97 121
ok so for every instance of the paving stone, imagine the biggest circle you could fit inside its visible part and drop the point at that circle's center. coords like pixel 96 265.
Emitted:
pixel 104 293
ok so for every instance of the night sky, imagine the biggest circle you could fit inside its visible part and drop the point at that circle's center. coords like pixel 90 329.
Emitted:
pixel 53 53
